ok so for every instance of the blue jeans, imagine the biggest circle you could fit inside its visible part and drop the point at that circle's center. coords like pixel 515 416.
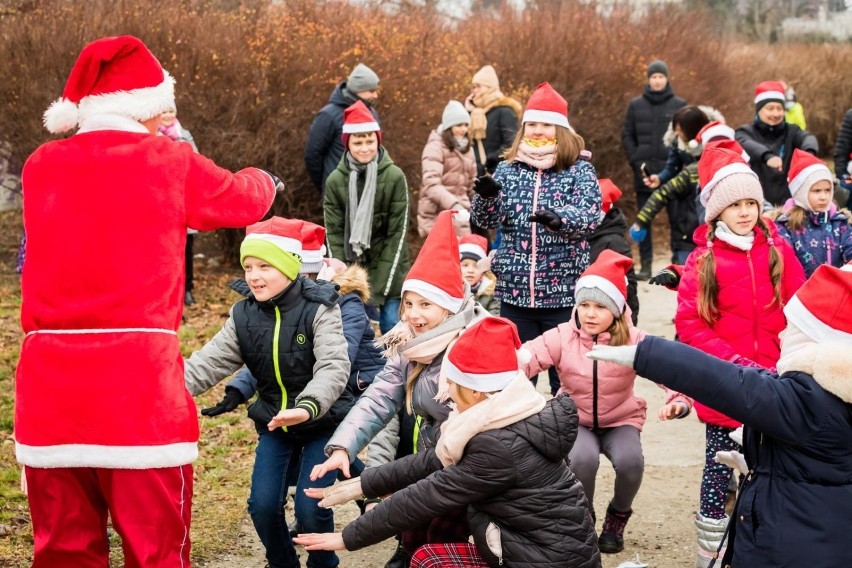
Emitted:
pixel 389 314
pixel 273 455
pixel 681 256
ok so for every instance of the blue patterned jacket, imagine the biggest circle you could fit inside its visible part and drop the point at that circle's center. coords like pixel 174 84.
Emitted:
pixel 826 238
pixel 537 267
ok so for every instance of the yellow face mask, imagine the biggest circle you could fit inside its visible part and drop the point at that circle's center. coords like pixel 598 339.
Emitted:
pixel 539 142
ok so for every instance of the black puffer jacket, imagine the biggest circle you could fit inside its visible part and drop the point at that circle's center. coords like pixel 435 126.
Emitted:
pixel 610 235
pixel 500 133
pixel 762 142
pixel 516 485
pixel 843 146
pixel 324 147
pixel 648 118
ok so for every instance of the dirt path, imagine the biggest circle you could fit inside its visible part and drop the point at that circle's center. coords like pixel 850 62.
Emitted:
pixel 661 532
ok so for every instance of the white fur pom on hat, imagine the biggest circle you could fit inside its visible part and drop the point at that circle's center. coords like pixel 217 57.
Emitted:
pixel 112 75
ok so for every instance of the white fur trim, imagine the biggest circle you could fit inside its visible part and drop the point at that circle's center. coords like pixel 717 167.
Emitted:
pixel 546 116
pixel 830 364
pixel 293 246
pixel 770 95
pixel 717 130
pixel 472 249
pixel 463 216
pixel 524 356
pixel 797 182
pixel 604 285
pixel 111 122
pixel 722 173
pixel 485 382
pixel 432 292
pixel 113 457
pixel 313 255
pixel 359 127
pixel 799 315
pixel 61 116
pixel 693 144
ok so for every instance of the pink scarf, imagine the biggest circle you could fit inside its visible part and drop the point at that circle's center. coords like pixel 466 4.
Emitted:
pixel 172 130
pixel 541 157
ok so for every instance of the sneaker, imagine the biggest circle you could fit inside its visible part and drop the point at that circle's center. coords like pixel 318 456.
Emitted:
pixel 400 558
pixel 612 535
pixel 188 299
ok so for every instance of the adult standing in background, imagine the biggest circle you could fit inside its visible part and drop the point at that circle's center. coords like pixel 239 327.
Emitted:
pixel 648 118
pixel 325 143
pixel 494 119
pixel 843 154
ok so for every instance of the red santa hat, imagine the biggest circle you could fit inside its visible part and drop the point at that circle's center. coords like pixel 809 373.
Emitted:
pixel 769 91
pixel 714 130
pixel 277 241
pixel 436 274
pixel 610 194
pixel 547 106
pixel 313 249
pixel 820 308
pixel 357 119
pixel 486 357
pixel 474 247
pixel 725 178
pixel 805 170
pixel 605 282
pixel 112 75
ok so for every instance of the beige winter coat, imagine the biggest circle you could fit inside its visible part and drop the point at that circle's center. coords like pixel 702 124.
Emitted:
pixel 447 179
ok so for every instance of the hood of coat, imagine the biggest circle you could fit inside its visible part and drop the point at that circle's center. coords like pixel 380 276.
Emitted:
pixel 552 431
pixel 670 138
pixel 830 364
pixel 354 279
pixel 341 96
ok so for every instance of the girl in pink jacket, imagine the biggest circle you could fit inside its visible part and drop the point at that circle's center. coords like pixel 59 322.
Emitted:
pixel 611 415
pixel 730 304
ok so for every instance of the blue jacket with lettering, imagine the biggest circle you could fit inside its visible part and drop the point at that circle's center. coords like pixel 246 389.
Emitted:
pixel 537 267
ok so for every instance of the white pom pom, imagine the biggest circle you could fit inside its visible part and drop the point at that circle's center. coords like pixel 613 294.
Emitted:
pixel 61 116
pixel 524 355
pixel 692 144
pixel 463 216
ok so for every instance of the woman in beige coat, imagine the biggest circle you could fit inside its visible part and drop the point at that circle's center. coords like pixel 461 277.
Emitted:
pixel 449 169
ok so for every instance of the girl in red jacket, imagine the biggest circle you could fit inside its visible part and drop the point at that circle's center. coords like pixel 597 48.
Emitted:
pixel 730 304
pixel 611 415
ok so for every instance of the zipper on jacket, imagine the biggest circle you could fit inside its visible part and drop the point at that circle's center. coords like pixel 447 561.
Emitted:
pixel 276 334
pixel 534 232
pixel 753 305
pixel 595 389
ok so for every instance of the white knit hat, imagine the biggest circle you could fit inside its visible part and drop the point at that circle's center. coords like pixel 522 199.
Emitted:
pixel 454 113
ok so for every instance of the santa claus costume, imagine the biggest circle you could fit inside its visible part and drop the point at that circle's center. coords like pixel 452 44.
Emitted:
pixel 103 422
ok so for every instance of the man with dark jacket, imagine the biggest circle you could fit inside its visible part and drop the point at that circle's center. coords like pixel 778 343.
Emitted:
pixel 843 153
pixel 325 145
pixel 648 117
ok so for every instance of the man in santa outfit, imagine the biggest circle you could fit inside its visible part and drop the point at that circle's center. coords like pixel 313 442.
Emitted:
pixel 103 423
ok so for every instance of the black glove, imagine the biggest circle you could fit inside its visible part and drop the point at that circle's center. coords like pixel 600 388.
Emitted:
pixel 233 398
pixel 547 218
pixel 276 181
pixel 487 187
pixel 665 277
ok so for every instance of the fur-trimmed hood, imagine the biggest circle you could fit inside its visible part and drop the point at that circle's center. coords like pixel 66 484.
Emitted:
pixel 670 138
pixel 354 279
pixel 830 364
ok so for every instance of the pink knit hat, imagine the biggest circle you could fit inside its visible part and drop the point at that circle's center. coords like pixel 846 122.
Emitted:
pixel 725 178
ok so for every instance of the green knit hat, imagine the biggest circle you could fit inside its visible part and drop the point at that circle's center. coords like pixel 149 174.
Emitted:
pixel 277 241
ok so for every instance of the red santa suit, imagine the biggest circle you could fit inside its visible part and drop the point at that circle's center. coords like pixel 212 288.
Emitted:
pixel 100 381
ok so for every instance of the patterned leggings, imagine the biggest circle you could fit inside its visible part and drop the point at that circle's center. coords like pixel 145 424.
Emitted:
pixel 717 476
pixel 462 554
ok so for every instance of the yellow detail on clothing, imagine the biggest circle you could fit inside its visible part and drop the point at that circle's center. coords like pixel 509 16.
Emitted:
pixel 275 337
pixel 417 422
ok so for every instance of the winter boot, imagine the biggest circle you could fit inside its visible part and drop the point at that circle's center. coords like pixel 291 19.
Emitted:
pixel 710 534
pixel 400 558
pixel 612 534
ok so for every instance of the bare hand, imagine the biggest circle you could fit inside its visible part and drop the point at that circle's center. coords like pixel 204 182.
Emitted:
pixel 339 460
pixel 314 492
pixel 670 411
pixel 775 162
pixel 289 417
pixel 653 181
pixel 321 541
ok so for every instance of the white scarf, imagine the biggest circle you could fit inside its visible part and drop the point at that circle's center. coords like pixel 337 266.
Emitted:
pixel 517 401
pixel 792 342
pixel 725 234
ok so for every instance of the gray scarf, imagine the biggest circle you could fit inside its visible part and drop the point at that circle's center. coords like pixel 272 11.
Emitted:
pixel 358 229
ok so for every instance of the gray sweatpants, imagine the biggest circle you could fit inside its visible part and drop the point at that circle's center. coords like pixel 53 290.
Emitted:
pixel 622 446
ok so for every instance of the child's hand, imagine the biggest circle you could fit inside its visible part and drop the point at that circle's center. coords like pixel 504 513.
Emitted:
pixel 338 493
pixel 671 410
pixel 339 459
pixel 321 541
pixel 289 417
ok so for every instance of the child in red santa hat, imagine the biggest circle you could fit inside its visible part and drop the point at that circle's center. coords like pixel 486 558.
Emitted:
pixel 103 422
pixel 476 270
pixel 502 455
